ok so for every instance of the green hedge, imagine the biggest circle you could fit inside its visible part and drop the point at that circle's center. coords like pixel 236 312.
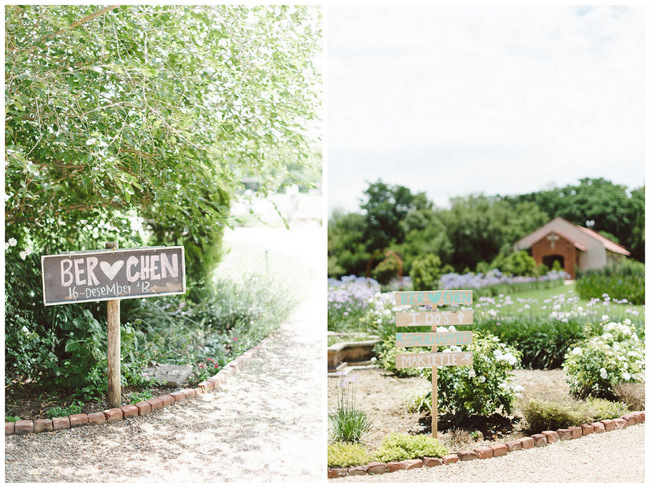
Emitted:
pixel 621 281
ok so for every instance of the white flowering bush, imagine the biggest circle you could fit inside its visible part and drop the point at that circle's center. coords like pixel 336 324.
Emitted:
pixel 595 365
pixel 485 387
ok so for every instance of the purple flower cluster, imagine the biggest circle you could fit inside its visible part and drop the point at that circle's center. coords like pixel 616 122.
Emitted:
pixel 350 291
pixel 455 281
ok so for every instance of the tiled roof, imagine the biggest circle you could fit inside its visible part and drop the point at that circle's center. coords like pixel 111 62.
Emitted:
pixel 609 245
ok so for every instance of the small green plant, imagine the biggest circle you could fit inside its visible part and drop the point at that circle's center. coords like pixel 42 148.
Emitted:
pixel 615 356
pixel 418 400
pixel 11 418
pixel 348 422
pixel 342 454
pixel 599 409
pixel 139 396
pixel 74 407
pixel 398 447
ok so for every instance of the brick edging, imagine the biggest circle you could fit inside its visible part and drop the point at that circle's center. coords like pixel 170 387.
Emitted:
pixel 140 409
pixel 495 450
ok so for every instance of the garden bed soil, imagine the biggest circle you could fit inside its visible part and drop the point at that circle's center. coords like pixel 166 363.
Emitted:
pixel 28 402
pixel 382 395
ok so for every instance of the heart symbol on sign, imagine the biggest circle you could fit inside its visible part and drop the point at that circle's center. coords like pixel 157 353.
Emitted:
pixel 109 270
pixel 434 297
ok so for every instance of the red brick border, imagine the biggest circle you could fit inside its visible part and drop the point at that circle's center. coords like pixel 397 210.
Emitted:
pixel 140 409
pixel 483 452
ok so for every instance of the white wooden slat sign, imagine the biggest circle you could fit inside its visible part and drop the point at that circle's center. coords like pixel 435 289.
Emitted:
pixel 428 339
pixel 464 317
pixel 433 360
pixel 433 318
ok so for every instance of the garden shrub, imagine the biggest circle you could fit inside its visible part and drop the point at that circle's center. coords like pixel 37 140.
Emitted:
pixel 544 415
pixel 480 390
pixel 518 263
pixel 342 454
pixel 542 341
pixel 541 415
pixel 620 281
pixel 387 269
pixel 63 348
pixel 400 446
pixel 616 356
pixel 599 409
pixel 632 394
pixel 426 272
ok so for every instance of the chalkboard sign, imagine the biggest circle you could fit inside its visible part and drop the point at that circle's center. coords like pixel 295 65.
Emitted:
pixel 90 276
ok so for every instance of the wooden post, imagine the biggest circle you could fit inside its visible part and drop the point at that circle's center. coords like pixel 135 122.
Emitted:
pixel 434 389
pixel 113 349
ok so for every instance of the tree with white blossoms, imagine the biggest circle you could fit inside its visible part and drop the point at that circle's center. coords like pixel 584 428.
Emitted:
pixel 595 365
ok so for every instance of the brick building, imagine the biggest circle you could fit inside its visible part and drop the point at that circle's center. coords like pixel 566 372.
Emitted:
pixel 574 247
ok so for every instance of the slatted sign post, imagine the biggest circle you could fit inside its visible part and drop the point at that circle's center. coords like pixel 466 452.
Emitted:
pixel 112 275
pixel 434 318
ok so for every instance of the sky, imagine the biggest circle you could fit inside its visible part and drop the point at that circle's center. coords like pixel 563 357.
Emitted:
pixel 493 100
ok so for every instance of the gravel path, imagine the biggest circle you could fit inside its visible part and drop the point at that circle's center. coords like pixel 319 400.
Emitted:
pixel 617 456
pixel 266 424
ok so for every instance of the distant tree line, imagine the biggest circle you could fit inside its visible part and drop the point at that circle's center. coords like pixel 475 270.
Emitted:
pixel 476 230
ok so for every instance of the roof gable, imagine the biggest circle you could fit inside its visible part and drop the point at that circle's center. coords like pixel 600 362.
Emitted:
pixel 581 237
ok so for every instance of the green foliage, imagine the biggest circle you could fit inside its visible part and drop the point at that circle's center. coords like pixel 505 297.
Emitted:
pixel 418 400
pixel 399 447
pixel 125 114
pixel 480 390
pixel 64 347
pixel 342 454
pixel 11 418
pixel 612 208
pixel 600 409
pixel 542 341
pixel 386 206
pixel 346 249
pixel 541 415
pixel 138 124
pixel 476 229
pixel 139 396
pixel 75 407
pixel 595 365
pixel 348 422
pixel 544 415
pixel 518 263
pixel 387 269
pixel 425 272
pixel 625 280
